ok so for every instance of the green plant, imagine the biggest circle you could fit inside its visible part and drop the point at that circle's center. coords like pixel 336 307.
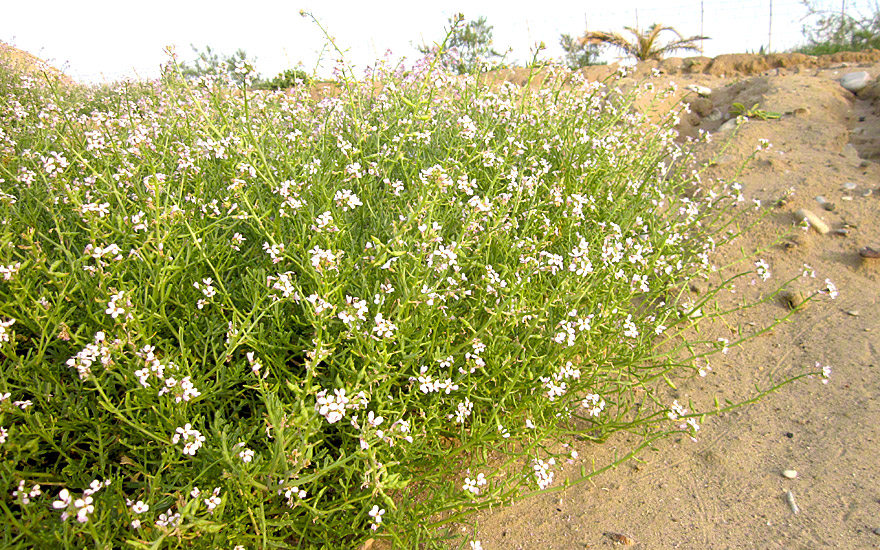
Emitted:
pixel 236 320
pixel 284 80
pixel 468 46
pixel 833 31
pixel 738 109
pixel 579 54
pixel 210 63
pixel 645 44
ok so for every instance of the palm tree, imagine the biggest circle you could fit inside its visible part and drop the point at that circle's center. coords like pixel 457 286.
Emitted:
pixel 645 46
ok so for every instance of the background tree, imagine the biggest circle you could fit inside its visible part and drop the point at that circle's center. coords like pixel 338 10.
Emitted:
pixel 579 54
pixel 469 46
pixel 645 44
pixel 834 31
pixel 288 78
pixel 210 62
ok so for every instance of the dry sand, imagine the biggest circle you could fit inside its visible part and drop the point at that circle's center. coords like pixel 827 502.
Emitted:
pixel 727 491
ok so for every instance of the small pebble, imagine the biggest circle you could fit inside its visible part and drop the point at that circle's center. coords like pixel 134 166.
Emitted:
pixel 849 186
pixel 877 531
pixel 829 206
pixel 853 312
pixel 790 474
pixel 842 232
pixel 794 299
pixel 729 125
pixel 696 287
pixel 868 252
pixel 866 193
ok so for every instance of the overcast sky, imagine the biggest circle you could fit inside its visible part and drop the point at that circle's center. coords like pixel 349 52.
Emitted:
pixel 97 40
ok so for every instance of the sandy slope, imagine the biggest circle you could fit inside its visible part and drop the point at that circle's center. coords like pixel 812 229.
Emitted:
pixel 726 491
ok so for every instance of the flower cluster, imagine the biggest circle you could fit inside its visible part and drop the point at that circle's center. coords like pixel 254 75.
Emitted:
pixel 473 485
pixel 182 389
pixel 292 493
pixel 555 384
pixel 80 507
pixel 137 508
pixel 207 289
pixel 542 473
pixel 333 408
pixel 4 334
pixel 192 439
pixel 97 352
pixel 24 497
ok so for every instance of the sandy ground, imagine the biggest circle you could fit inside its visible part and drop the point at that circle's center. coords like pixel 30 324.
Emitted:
pixel 727 491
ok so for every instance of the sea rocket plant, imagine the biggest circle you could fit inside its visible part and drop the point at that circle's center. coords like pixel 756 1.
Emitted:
pixel 326 308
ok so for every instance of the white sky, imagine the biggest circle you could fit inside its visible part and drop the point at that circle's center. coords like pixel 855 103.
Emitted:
pixel 98 40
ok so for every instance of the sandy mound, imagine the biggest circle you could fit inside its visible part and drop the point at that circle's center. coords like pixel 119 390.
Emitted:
pixel 30 64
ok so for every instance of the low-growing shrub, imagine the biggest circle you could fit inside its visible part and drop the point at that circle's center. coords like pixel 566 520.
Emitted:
pixel 254 320
pixel 285 80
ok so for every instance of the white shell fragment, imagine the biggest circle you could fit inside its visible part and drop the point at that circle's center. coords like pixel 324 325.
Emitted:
pixel 702 91
pixel 789 498
pixel 849 186
pixel 855 82
pixel 790 474
pixel 815 221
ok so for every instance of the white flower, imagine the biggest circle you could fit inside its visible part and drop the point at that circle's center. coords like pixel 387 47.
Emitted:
pixel 246 455
pixel 332 408
pixel 543 475
pixel 831 289
pixel 4 335
pixel 473 485
pixel 763 269
pixel 214 500
pixel 462 411
pixel 384 328
pixel 139 507
pixel 346 199
pixel 826 372
pixel 376 514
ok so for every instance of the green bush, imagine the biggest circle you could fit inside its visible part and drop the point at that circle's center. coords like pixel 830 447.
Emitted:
pixel 211 64
pixel 285 80
pixel 257 320
pixel 468 47
pixel 833 31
